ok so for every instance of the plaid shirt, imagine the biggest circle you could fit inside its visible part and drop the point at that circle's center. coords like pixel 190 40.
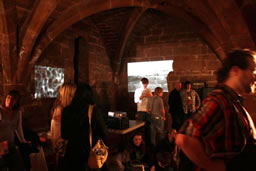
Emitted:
pixel 221 124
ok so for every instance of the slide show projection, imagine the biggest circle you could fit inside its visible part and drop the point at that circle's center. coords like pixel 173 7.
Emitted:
pixel 155 71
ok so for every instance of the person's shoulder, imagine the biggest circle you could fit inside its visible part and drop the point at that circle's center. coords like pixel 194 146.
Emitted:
pixel 67 109
pixel 217 92
pixel 96 112
pixel 159 99
pixel 150 99
pixel 137 90
pixel 193 91
pixel 217 95
pixel 182 92
pixel 148 89
pixel 173 90
pixel 57 108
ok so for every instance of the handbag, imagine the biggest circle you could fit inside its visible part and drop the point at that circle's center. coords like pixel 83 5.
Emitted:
pixel 99 153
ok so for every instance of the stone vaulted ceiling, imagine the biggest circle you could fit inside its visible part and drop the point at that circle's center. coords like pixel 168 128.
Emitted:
pixel 29 26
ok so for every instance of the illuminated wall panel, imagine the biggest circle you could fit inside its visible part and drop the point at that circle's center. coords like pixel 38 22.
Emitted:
pixel 47 81
pixel 155 71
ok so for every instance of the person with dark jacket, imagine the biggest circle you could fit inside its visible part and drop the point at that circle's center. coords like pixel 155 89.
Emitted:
pixel 175 106
pixel 75 129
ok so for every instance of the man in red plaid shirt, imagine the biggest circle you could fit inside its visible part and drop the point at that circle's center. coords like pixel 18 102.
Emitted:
pixel 221 135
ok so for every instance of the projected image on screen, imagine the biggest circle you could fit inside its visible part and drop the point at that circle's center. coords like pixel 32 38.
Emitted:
pixel 155 71
pixel 47 81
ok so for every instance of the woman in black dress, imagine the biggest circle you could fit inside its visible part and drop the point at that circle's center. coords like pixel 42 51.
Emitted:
pixel 75 128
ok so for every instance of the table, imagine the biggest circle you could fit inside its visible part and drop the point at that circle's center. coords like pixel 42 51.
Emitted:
pixel 133 125
pixel 118 138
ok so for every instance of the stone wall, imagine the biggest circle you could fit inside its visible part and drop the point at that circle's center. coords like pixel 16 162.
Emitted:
pixel 92 65
pixel 99 69
pixel 60 54
pixel 169 40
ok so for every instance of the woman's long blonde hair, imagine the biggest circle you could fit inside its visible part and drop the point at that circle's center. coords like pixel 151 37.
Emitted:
pixel 65 95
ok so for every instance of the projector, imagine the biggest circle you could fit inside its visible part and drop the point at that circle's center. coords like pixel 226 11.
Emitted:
pixel 117 114
pixel 118 120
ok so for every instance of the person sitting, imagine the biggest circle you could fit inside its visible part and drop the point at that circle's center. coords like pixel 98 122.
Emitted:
pixel 167 153
pixel 117 161
pixel 139 154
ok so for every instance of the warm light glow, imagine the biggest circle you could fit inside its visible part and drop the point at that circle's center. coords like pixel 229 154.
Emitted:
pixel 253 88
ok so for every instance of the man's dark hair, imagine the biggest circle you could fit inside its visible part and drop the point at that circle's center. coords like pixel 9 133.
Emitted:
pixel 82 99
pixel 16 95
pixel 164 157
pixel 137 133
pixel 187 83
pixel 83 96
pixel 144 80
pixel 239 58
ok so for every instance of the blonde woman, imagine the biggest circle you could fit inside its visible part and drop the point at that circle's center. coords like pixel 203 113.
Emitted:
pixel 64 98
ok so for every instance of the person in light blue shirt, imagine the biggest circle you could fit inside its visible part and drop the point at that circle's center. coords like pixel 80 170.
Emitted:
pixel 156 110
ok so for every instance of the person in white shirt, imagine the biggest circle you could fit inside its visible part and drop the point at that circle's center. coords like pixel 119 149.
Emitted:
pixel 141 97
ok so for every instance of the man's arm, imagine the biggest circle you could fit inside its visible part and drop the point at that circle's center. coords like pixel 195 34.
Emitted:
pixel 137 95
pixel 193 149
pixel 149 105
pixel 162 108
pixel 146 94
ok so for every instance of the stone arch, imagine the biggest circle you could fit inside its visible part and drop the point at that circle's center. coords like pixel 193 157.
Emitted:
pixel 8 48
pixel 79 12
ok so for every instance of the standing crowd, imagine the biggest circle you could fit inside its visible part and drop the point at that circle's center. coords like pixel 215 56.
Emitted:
pixel 216 134
pixel 183 103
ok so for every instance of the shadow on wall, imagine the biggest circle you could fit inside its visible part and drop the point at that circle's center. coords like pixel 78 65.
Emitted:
pixel 103 98
pixel 37 115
